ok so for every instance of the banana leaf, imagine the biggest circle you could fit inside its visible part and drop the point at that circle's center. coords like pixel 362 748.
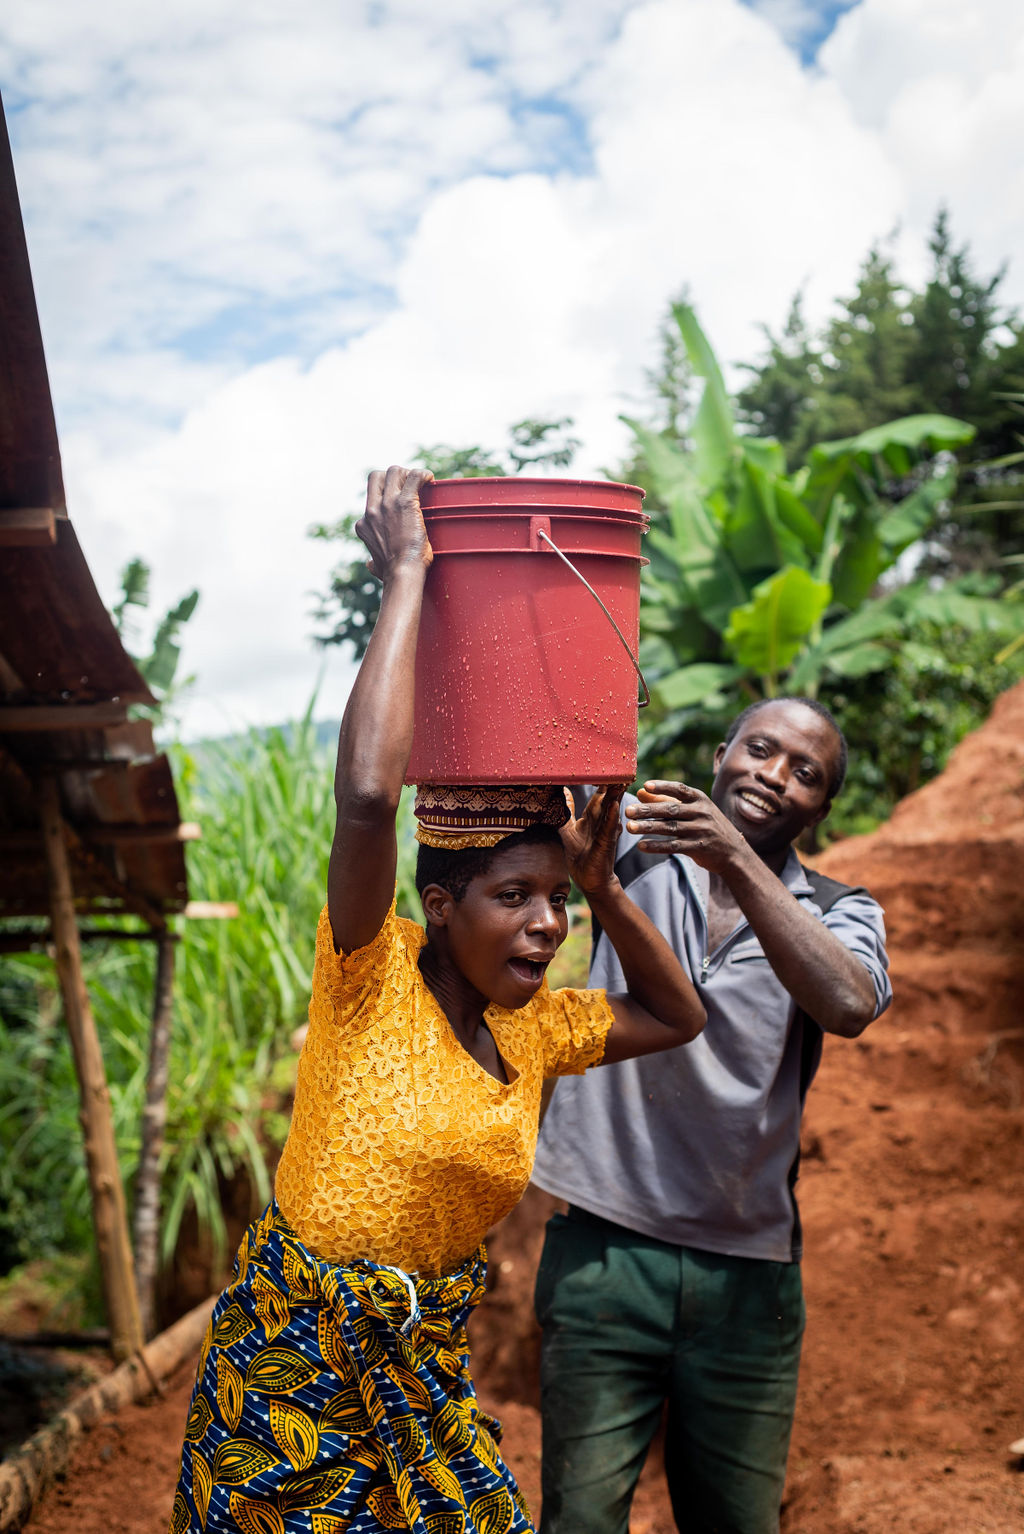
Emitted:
pixel 911 518
pixel 766 633
pixel 897 444
pixel 694 544
pixel 859 660
pixel 694 684
pixel 953 606
pixel 881 619
pixel 796 516
pixel 860 559
pixel 713 430
pixel 759 539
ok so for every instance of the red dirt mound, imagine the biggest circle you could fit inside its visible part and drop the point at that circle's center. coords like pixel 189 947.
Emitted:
pixel 913 1175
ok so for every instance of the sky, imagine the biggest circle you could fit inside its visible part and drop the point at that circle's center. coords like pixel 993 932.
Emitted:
pixel 275 246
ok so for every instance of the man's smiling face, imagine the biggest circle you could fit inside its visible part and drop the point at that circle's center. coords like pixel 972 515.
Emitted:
pixel 772 779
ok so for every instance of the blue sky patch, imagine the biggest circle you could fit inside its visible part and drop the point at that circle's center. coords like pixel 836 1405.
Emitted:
pixel 805 24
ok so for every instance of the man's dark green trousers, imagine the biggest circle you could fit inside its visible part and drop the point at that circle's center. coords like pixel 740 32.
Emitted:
pixel 630 1323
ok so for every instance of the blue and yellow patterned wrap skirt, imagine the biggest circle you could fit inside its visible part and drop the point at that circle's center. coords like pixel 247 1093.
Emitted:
pixel 337 1400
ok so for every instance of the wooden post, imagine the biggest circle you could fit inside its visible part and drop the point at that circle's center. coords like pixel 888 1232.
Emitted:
pixel 108 1207
pixel 154 1118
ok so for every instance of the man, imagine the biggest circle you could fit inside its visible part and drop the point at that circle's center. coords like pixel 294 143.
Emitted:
pixel 675 1274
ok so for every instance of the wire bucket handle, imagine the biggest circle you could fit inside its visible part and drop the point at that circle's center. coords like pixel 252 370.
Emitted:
pixel 538 532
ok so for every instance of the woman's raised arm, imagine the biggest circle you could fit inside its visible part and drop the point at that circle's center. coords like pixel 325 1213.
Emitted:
pixel 661 1008
pixel 376 731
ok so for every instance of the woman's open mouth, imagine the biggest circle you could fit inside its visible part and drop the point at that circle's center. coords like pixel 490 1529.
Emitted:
pixel 529 971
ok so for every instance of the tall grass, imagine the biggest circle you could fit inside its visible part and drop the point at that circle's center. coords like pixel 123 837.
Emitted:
pixel 265 803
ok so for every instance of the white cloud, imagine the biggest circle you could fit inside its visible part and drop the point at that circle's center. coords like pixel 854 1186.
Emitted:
pixel 269 258
pixel 942 85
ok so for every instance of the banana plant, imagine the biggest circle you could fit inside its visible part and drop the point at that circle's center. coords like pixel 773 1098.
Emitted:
pixel 160 666
pixel 761 579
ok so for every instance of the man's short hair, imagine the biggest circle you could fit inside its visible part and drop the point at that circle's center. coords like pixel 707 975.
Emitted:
pixel 839 776
pixel 455 871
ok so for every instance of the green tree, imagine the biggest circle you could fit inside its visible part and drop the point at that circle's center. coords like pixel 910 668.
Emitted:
pixel 903 722
pixel 351 602
pixel 955 319
pixel 763 579
pixel 158 660
pixel 888 351
pixel 781 398
pixel 854 375
pixel 868 345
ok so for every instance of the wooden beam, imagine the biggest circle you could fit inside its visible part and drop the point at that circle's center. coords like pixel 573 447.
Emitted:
pixel 146 1218
pixel 97 870
pixel 99 835
pixel 27 528
pixel 97 832
pixel 10 681
pixel 204 910
pixel 25 939
pixel 94 1337
pixel 21 718
pixel 108 1206
pixel 101 875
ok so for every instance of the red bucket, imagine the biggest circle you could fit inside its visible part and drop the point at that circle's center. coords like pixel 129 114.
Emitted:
pixel 520 675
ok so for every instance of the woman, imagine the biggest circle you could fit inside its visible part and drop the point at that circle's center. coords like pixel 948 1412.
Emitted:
pixel 333 1390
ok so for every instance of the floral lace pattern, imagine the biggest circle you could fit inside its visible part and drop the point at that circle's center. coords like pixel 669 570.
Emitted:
pixel 402 1148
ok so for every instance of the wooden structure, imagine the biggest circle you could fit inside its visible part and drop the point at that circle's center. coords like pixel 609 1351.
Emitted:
pixel 89 821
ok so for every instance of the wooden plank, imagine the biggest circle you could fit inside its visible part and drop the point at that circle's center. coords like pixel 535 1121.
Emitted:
pixel 98 835
pixel 146 1215
pixel 32 527
pixel 20 718
pixel 204 910
pixel 102 878
pixel 55 631
pixel 184 831
pixel 24 940
pixel 30 939
pixel 110 1220
pixel 29 454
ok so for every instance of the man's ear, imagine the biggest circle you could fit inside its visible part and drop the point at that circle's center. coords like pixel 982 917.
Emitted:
pixel 822 814
pixel 437 903
pixel 720 751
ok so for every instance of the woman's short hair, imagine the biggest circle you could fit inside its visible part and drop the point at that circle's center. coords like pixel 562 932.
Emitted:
pixel 455 871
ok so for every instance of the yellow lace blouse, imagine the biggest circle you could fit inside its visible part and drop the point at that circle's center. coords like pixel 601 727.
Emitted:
pixel 402 1148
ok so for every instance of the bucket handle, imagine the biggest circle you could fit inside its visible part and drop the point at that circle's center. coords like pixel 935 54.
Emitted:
pixel 538 532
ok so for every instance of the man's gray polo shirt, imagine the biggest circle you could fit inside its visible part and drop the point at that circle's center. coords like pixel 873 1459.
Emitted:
pixel 699 1145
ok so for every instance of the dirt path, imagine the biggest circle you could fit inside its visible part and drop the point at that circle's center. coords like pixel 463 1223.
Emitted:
pixel 912 1191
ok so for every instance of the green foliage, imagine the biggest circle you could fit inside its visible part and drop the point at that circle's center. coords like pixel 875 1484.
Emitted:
pixel 764 579
pixel 889 350
pixel 766 633
pixel 265 802
pixel 351 602
pixel 158 662
pixel 902 722
pixel 671 386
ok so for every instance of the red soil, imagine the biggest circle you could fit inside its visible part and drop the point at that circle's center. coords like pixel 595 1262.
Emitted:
pixel 913 1175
